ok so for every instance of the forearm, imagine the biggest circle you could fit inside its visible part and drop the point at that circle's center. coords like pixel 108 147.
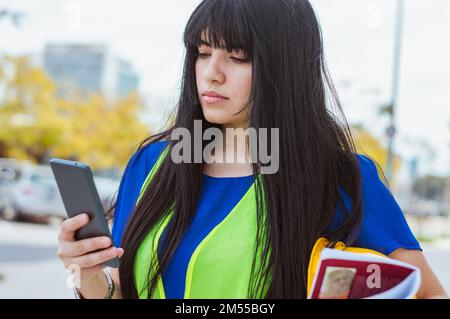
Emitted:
pixel 435 291
pixel 431 287
pixel 438 297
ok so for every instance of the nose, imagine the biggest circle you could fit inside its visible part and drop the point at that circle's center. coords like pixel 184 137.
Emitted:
pixel 213 71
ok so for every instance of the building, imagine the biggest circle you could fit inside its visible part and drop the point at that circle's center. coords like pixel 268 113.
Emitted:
pixel 87 68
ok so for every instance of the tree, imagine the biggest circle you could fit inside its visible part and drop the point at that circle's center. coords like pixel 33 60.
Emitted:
pixel 370 145
pixel 35 124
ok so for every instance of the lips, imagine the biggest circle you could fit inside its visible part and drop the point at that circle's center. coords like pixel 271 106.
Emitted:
pixel 212 97
pixel 213 100
pixel 213 94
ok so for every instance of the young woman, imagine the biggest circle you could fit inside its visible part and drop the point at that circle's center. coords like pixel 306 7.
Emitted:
pixel 211 230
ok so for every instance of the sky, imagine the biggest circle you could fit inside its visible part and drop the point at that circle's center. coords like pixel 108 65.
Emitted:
pixel 358 40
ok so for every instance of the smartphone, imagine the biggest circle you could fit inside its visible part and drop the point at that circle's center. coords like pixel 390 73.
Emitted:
pixel 79 195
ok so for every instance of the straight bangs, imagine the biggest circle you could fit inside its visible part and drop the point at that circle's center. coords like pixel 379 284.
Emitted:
pixel 230 32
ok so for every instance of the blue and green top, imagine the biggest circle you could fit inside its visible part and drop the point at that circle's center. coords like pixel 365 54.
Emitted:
pixel 383 229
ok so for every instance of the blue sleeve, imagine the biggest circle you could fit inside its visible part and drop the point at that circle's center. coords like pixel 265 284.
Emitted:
pixel 384 227
pixel 137 169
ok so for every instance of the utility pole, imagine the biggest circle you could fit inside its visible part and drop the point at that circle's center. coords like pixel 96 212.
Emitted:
pixel 391 130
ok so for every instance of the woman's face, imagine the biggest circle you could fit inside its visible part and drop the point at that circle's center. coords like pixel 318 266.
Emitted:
pixel 229 75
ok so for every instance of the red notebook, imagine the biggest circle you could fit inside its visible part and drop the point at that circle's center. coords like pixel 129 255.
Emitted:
pixel 347 275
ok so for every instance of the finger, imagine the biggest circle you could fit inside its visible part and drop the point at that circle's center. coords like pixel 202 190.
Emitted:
pixel 71 225
pixel 93 259
pixel 83 246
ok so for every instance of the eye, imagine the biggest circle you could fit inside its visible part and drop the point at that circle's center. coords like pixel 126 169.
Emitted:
pixel 238 60
pixel 235 59
pixel 242 57
pixel 202 54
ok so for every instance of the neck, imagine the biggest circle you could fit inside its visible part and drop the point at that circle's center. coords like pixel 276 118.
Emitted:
pixel 235 142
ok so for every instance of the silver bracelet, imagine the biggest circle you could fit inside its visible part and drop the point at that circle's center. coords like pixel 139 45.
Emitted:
pixel 111 287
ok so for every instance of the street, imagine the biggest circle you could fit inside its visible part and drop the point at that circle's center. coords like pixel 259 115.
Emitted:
pixel 29 267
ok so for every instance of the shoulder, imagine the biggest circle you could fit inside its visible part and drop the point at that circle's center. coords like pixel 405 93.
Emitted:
pixel 370 181
pixel 145 157
pixel 374 185
pixel 367 166
pixel 374 189
pixel 384 227
pixel 137 168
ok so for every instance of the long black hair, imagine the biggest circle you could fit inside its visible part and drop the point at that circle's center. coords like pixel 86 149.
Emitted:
pixel 292 91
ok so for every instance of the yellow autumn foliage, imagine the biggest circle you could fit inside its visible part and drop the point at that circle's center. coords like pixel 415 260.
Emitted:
pixel 36 124
pixel 367 144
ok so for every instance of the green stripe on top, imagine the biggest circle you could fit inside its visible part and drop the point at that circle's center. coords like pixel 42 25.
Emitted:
pixel 220 266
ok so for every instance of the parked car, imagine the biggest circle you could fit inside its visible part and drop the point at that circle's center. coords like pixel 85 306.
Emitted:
pixel 10 170
pixel 34 195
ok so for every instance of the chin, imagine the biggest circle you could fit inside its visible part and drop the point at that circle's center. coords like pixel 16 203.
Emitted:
pixel 213 117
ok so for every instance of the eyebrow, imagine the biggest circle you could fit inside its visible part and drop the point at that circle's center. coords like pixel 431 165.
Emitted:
pixel 202 42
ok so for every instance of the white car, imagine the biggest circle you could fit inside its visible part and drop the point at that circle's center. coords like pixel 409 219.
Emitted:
pixel 9 172
pixel 35 194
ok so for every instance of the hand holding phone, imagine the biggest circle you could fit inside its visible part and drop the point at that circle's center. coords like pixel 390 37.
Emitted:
pixel 88 255
pixel 89 237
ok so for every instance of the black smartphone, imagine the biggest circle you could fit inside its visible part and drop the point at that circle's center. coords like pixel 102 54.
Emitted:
pixel 79 195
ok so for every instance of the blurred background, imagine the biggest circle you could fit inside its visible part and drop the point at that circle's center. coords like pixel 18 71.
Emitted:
pixel 87 80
